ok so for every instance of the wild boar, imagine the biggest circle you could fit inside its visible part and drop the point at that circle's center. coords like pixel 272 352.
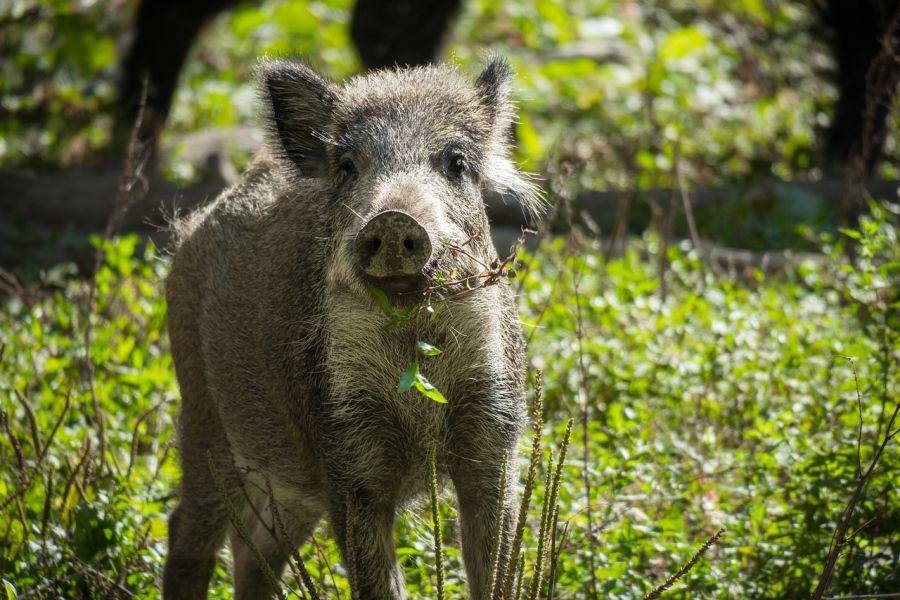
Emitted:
pixel 288 375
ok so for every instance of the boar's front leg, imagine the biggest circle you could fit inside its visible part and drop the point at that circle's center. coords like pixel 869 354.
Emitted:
pixel 478 488
pixel 363 523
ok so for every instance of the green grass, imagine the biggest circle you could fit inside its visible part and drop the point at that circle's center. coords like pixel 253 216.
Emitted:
pixel 720 402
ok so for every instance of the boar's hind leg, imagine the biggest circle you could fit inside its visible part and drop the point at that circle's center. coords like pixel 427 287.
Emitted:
pixel 198 524
pixel 250 583
pixel 197 529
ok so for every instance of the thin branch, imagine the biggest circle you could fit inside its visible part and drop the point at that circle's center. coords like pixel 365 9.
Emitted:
pixel 860 409
pixel 59 421
pixel 17 448
pixel 32 419
pixel 689 210
pixel 135 435
pixel 840 537
pixel 294 553
pixel 492 274
pixel 556 551
pixel 586 407
pixel 132 187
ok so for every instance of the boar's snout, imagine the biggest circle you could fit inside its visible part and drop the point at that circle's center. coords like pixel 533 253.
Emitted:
pixel 393 249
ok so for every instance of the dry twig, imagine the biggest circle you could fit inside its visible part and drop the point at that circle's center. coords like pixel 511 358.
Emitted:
pixel 132 187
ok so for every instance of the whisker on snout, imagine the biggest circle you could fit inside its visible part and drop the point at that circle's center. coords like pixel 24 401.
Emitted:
pixel 348 207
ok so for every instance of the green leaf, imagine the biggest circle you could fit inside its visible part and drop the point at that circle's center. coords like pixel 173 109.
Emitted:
pixel 683 42
pixel 427 349
pixel 851 233
pixel 395 316
pixel 426 389
pixel 408 378
pixel 10 590
pixel 382 301
pixel 399 317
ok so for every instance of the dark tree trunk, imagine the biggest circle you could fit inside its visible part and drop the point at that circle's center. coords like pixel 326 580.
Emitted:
pixel 401 32
pixel 164 33
pixel 856 31
pixel 385 32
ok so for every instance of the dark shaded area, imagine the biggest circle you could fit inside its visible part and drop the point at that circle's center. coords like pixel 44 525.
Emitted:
pixel 856 30
pixel 164 33
pixel 385 33
pixel 401 32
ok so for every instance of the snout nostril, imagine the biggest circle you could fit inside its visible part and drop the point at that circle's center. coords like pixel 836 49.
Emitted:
pixel 392 244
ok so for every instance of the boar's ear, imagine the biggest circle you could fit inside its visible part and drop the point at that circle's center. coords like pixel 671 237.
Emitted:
pixel 300 109
pixel 494 87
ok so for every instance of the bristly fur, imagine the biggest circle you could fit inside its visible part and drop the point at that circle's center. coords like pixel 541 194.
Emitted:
pixel 287 374
pixel 298 99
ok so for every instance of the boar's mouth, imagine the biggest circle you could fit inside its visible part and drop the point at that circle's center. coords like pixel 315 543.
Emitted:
pixel 401 285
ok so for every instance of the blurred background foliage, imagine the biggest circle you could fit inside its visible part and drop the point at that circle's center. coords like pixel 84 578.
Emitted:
pixel 738 87
pixel 713 397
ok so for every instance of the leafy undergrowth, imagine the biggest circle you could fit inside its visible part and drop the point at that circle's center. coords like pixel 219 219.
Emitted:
pixel 711 402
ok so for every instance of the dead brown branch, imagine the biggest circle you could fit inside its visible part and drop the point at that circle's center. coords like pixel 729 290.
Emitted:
pixel 492 274
pixel 131 188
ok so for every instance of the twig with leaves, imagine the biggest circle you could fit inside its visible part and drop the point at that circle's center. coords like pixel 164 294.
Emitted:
pixel 498 270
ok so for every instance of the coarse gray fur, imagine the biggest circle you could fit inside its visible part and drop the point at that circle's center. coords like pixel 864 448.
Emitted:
pixel 288 377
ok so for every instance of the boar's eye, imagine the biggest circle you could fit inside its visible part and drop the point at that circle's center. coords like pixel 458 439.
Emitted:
pixel 347 166
pixel 456 164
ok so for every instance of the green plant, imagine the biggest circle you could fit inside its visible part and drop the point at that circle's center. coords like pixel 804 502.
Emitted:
pixel 723 404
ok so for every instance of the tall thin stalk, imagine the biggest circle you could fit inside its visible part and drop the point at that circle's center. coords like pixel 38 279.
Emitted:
pixel 537 423
pixel 436 525
pixel 585 434
pixel 501 524
pixel 241 529
pixel 551 508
